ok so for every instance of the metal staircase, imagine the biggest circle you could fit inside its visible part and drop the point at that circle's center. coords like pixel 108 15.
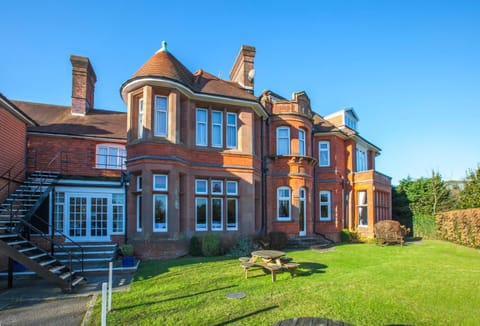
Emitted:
pixel 16 224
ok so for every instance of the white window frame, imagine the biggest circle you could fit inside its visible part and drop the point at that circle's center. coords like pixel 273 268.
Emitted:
pixel 212 225
pixel 140 119
pixel 232 142
pixel 328 204
pixel 160 188
pixel 197 182
pixel 122 210
pixel 139 213
pixel 119 159
pixel 321 150
pixel 59 210
pixel 234 193
pixel 350 121
pixel 159 122
pixel 287 139
pixel 197 199
pixel 361 159
pixel 165 229
pixel 362 206
pixel 233 228
pixel 205 127
pixel 301 142
pixel 139 182
pixel 282 198
pixel 212 187
pixel 217 130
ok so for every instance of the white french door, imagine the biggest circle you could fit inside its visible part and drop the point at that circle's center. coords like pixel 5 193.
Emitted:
pixel 87 217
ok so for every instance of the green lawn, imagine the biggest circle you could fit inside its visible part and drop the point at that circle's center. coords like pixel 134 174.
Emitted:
pixel 427 283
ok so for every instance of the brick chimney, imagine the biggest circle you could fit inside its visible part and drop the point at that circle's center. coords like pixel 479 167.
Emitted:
pixel 83 85
pixel 243 71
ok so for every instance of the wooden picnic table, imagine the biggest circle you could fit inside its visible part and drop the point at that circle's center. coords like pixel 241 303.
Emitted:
pixel 268 256
pixel 272 260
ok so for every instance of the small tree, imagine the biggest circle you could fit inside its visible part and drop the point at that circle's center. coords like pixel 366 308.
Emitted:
pixel 470 195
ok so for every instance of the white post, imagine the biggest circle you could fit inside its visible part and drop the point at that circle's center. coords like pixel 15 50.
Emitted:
pixel 110 278
pixel 104 304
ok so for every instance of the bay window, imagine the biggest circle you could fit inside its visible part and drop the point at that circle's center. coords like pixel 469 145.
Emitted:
pixel 160 116
pixel 362 206
pixel 201 127
pixel 217 128
pixel 231 130
pixel 283 141
pixel 301 142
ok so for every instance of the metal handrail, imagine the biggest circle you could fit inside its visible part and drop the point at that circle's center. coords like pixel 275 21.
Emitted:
pixel 52 241
pixel 10 179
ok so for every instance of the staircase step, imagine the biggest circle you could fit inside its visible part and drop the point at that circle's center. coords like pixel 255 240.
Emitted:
pixel 77 280
pixel 66 275
pixel 27 249
pixel 43 254
pixel 57 268
pixel 47 262
pixel 8 235
pixel 14 243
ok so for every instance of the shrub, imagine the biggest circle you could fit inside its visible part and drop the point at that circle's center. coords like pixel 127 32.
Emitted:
pixel 194 248
pixel 210 245
pixel 127 250
pixel 243 247
pixel 278 240
pixel 345 236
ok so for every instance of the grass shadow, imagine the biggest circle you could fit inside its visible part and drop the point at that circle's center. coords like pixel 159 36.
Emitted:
pixel 309 268
pixel 231 321
pixel 153 268
pixel 174 298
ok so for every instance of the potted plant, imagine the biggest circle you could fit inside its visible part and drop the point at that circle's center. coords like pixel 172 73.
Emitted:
pixel 128 260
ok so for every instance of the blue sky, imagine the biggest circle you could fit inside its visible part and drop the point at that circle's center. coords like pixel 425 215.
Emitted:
pixel 410 69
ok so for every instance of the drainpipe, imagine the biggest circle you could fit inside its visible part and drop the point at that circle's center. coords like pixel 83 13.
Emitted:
pixel 314 194
pixel 125 182
pixel 264 174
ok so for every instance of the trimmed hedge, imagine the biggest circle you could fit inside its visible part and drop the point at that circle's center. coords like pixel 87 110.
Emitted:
pixel 424 226
pixel 460 226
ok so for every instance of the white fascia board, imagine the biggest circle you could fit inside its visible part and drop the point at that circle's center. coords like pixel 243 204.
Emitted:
pixel 365 143
pixel 134 84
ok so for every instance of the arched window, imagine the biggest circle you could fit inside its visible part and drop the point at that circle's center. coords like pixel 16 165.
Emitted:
pixel 283 204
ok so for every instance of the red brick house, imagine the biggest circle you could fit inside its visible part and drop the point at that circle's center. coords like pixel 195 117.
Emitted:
pixel 195 153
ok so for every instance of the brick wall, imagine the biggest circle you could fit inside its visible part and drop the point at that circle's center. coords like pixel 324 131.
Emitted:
pixel 75 156
pixel 12 149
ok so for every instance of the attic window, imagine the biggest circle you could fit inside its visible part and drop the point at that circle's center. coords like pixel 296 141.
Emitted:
pixel 350 121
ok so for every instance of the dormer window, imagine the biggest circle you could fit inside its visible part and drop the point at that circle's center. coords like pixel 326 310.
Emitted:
pixel 350 119
pixel 350 122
